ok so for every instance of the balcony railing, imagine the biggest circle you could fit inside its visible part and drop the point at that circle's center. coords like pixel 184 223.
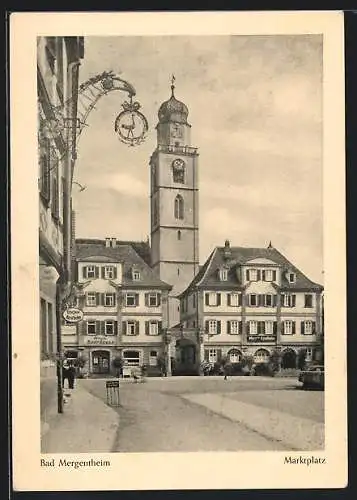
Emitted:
pixel 170 148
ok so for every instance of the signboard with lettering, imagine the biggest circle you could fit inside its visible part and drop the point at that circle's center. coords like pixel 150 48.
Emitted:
pixel 100 340
pixel 261 338
pixel 112 383
pixel 73 315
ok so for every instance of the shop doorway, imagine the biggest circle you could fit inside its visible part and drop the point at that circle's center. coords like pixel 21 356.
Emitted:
pixel 289 359
pixel 100 362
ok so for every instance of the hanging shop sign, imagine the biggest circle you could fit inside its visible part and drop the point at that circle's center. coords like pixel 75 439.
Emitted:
pixel 131 125
pixel 73 315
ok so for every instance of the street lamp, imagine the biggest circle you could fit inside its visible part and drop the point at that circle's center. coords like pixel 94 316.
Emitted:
pixel 70 119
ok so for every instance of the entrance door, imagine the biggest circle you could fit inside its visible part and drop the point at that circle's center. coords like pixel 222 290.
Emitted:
pixel 100 362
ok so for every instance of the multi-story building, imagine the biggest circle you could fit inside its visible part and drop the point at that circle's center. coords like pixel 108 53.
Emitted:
pixel 58 59
pixel 174 202
pixel 124 303
pixel 251 301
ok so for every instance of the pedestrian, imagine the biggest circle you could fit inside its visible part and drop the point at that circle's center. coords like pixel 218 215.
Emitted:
pixel 71 375
pixel 226 371
pixel 65 367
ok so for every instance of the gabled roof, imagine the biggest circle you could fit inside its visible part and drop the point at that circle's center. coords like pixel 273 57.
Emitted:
pixel 127 255
pixel 208 275
pixel 141 247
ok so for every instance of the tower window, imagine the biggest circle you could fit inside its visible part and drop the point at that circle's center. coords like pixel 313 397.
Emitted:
pixel 178 234
pixel 179 207
pixel 178 171
pixel 178 271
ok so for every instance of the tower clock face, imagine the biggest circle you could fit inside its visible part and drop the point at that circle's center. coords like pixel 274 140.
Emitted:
pixel 176 131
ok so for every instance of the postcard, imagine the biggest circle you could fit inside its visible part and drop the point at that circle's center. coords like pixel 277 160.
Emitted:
pixel 178 250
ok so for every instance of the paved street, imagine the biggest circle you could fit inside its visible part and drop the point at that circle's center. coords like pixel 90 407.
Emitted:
pixel 210 414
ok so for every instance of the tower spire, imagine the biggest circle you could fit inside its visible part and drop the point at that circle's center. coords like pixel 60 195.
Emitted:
pixel 172 85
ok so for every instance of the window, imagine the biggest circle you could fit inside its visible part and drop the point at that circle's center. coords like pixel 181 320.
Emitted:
pixel 268 300
pixel 308 300
pixel 179 207
pixel 155 212
pixel 178 170
pixel 308 327
pixel 131 358
pixel 153 358
pixel 109 272
pixel 109 299
pixel 212 299
pixel 223 274
pixel 288 327
pixel 269 328
pixel 152 328
pixel 109 327
pixel 253 299
pixel 269 275
pixel 261 356
pixel 234 299
pixel 132 327
pixel 91 328
pixel 212 327
pixel 308 354
pixel 136 275
pixel 131 299
pixel 234 356
pixel 45 168
pixel 291 277
pixel 90 271
pixel 91 299
pixel 212 355
pixel 152 299
pixel 178 234
pixel 253 275
pixel 288 300
pixel 178 271
pixel 55 198
pixel 233 327
pixel 253 327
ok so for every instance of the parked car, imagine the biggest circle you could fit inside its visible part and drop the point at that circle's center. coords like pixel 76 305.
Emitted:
pixel 313 377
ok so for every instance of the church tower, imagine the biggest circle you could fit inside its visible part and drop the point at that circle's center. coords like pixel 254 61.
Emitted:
pixel 174 202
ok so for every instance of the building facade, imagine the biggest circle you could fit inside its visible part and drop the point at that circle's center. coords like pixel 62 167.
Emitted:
pixel 124 304
pixel 174 202
pixel 252 301
pixel 58 59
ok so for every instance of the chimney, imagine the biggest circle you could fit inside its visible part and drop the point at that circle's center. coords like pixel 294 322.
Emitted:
pixel 114 242
pixel 270 245
pixel 107 242
pixel 227 250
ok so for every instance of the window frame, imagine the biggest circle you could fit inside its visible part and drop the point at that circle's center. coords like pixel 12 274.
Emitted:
pixel 106 269
pixel 136 275
pixel 130 323
pixel 310 297
pixel 91 323
pixel 150 296
pixel 212 327
pixel 288 322
pixel 131 295
pixel 91 295
pixel 212 355
pixel 253 322
pixel 234 322
pixel 152 324
pixel 255 295
pixel 179 207
pixel 109 295
pixel 266 329
pixel 90 269
pixel 108 322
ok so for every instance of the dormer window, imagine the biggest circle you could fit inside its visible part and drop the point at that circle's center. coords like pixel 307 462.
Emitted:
pixel 253 275
pixel 109 272
pixel 136 275
pixel 291 277
pixel 223 274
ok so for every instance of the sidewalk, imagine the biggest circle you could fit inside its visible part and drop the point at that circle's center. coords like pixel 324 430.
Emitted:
pixel 299 433
pixel 87 425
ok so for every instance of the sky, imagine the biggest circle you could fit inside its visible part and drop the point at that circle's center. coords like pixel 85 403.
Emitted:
pixel 255 106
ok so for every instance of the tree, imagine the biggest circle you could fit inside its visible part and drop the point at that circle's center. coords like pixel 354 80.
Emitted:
pixel 247 363
pixel 118 364
pixel 80 363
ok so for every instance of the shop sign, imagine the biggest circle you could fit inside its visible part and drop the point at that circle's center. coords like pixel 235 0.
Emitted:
pixel 100 339
pixel 73 315
pixel 261 338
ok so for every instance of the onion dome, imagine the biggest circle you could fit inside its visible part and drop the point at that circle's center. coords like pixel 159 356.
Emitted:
pixel 173 110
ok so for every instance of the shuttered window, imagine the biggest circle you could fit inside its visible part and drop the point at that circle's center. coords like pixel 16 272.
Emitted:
pixel 308 327
pixel 91 328
pixel 212 299
pixel 131 327
pixel 234 299
pixel 288 327
pixel 91 299
pixel 288 300
pixel 132 299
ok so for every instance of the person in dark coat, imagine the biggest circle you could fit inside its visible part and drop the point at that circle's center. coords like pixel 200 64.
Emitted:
pixel 71 374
